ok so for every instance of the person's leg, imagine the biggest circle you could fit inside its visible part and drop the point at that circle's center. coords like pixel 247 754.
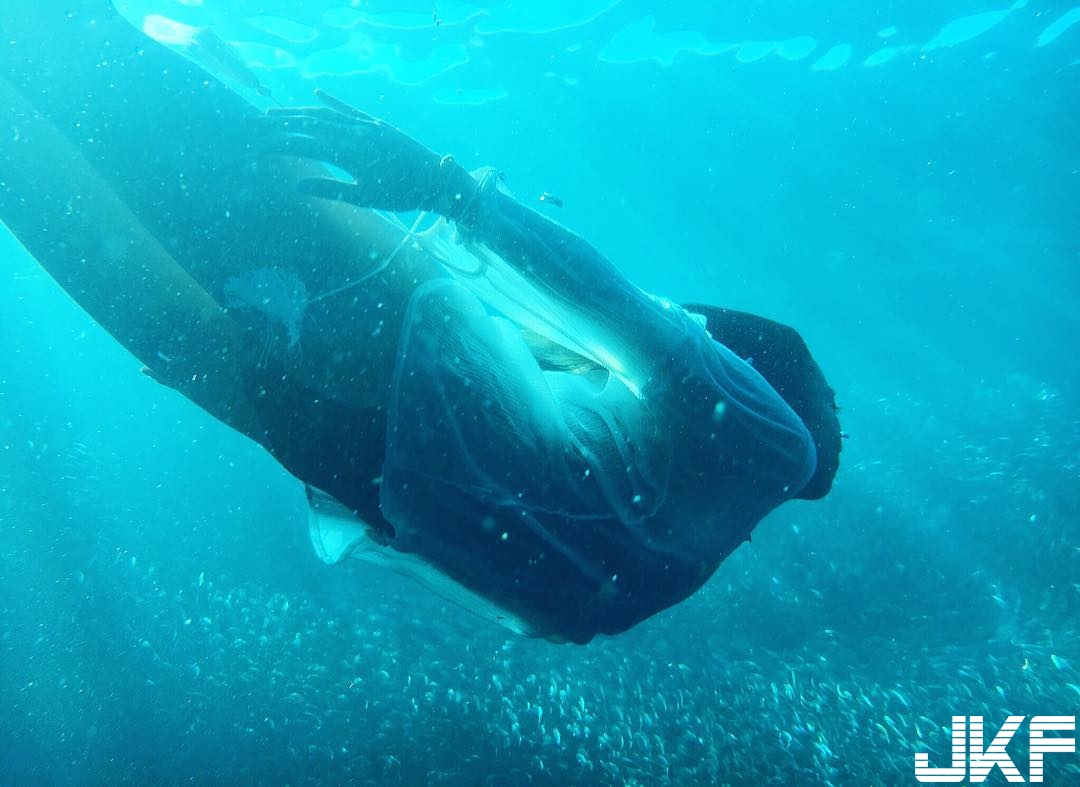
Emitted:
pixel 79 230
pixel 127 177
pixel 177 148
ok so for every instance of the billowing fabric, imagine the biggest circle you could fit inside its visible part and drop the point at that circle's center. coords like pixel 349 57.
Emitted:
pixel 582 500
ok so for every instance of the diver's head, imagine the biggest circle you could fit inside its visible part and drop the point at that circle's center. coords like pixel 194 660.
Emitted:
pixel 780 355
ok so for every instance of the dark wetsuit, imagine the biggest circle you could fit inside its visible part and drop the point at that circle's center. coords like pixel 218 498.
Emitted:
pixel 584 502
pixel 580 502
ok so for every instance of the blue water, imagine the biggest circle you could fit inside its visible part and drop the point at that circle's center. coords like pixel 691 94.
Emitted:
pixel 902 184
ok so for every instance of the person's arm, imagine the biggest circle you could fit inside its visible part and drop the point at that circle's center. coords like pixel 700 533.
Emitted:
pixel 628 330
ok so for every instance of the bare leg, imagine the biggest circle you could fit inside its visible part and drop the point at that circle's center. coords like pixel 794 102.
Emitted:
pixel 78 229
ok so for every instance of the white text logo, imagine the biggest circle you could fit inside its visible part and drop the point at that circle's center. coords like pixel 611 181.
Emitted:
pixel 968 752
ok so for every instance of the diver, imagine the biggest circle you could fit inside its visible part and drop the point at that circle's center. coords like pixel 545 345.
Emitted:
pixel 495 410
pixel 596 445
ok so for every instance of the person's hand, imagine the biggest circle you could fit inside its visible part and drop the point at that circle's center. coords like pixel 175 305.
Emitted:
pixel 390 170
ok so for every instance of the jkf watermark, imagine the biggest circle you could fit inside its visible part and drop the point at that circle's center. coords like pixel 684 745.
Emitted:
pixel 968 753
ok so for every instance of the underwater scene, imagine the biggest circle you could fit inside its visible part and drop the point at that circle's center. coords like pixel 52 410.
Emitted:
pixel 218 284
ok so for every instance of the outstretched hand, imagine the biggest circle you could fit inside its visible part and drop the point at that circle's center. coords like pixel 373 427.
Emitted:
pixel 390 169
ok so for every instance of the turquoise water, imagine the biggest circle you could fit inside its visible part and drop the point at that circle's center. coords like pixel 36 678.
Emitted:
pixel 899 183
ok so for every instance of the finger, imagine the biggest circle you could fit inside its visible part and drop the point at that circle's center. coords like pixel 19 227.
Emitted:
pixel 338 190
pixel 298 145
pixel 282 110
pixel 348 147
pixel 366 193
pixel 337 105
pixel 310 115
pixel 330 106
pixel 277 142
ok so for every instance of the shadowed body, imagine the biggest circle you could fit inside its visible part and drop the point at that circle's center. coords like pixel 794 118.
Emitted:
pixel 579 502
